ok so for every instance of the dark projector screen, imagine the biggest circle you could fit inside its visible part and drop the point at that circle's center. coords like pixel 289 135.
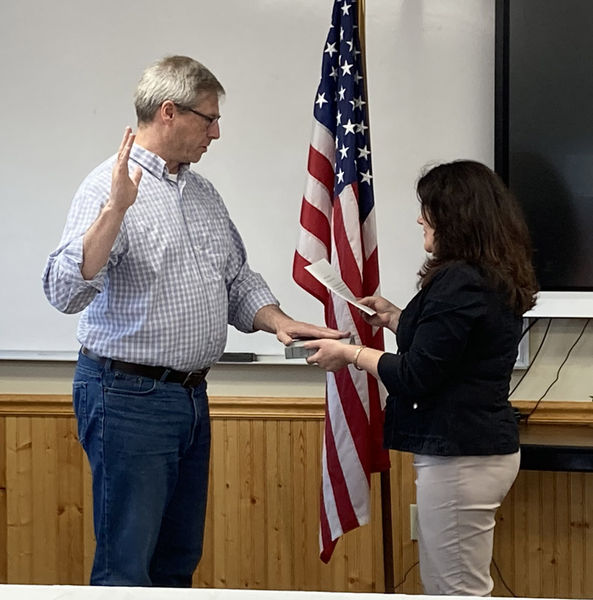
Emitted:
pixel 544 130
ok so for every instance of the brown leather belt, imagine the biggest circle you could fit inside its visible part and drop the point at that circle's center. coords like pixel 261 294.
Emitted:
pixel 186 379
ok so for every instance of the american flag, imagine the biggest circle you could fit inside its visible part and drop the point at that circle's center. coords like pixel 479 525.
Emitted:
pixel 338 223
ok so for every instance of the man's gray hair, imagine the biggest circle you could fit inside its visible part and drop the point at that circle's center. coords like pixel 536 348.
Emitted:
pixel 180 79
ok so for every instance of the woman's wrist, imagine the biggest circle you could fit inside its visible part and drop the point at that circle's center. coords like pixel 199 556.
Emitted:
pixel 357 356
pixel 394 321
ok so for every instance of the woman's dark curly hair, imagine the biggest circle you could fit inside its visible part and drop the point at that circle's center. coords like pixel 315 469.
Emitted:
pixel 477 220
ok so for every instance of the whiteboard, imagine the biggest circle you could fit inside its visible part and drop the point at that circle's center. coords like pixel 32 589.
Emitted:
pixel 70 69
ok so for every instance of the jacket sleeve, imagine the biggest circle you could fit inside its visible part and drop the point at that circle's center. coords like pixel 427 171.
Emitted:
pixel 453 303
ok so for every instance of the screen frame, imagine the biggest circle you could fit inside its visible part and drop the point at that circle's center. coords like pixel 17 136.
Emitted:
pixel 550 303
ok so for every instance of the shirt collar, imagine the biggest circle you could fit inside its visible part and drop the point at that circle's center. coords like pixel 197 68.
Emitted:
pixel 154 163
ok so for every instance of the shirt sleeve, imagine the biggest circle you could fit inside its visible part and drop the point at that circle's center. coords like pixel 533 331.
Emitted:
pixel 455 300
pixel 63 284
pixel 247 290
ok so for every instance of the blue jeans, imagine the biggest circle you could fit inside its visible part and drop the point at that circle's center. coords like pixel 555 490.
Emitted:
pixel 148 445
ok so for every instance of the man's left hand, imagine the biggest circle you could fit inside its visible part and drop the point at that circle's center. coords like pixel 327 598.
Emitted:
pixel 272 319
pixel 298 329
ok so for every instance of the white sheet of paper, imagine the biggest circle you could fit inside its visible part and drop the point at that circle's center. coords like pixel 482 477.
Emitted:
pixel 326 274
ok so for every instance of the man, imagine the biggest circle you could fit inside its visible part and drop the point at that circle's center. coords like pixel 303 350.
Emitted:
pixel 151 255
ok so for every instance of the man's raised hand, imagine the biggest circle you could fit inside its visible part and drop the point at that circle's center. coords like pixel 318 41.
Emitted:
pixel 124 188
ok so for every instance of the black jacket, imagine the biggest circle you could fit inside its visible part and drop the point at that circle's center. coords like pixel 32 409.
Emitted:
pixel 449 382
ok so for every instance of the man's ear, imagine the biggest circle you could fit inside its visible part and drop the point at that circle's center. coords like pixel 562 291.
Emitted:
pixel 167 111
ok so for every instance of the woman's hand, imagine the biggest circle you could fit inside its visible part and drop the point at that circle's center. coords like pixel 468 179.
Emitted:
pixel 386 313
pixel 331 355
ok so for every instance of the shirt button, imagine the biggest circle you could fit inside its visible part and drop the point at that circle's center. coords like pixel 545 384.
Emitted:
pixel 415 405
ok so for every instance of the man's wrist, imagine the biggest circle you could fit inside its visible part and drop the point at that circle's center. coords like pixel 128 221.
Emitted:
pixel 114 210
pixel 270 318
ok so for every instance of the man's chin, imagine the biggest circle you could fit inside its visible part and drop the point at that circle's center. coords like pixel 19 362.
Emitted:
pixel 196 157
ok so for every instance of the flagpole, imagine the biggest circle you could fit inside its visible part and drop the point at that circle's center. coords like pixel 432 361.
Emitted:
pixel 386 523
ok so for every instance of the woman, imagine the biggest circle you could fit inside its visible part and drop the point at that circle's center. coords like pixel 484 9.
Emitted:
pixel 448 384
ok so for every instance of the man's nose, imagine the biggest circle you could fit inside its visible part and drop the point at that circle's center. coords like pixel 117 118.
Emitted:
pixel 214 130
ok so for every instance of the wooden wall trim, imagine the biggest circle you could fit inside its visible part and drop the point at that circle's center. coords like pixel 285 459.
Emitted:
pixel 250 407
pixel 45 405
pixel 237 407
pixel 221 407
pixel 555 412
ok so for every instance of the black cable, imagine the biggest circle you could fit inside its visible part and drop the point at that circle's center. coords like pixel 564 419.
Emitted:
pixel 528 327
pixel 559 369
pixel 405 576
pixel 509 590
pixel 541 344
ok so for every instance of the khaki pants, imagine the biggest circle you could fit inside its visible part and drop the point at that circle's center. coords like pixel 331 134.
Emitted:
pixel 457 498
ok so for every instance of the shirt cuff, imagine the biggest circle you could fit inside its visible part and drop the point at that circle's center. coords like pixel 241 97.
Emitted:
pixel 250 304
pixel 72 263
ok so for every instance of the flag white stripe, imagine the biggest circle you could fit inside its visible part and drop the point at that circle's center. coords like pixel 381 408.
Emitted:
pixel 329 502
pixel 357 482
pixel 323 141
pixel 351 221
pixel 345 322
pixel 310 247
pixel 316 195
pixel 369 234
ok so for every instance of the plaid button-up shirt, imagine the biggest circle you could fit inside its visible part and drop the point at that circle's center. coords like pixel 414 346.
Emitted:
pixel 176 275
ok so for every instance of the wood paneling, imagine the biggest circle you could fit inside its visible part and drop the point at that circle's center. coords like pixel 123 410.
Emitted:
pixel 3 511
pixel 262 516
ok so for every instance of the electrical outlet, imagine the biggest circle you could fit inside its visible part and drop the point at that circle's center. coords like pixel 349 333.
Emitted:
pixel 413 522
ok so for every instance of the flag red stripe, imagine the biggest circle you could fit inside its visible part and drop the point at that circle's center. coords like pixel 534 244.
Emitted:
pixel 306 280
pixel 327 544
pixel 316 223
pixel 371 274
pixel 348 265
pixel 355 415
pixel 320 168
pixel 344 507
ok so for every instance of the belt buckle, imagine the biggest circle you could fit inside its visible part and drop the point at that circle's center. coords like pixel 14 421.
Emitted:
pixel 187 378
pixel 199 376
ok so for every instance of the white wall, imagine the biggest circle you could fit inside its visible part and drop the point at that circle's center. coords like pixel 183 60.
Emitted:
pixel 70 69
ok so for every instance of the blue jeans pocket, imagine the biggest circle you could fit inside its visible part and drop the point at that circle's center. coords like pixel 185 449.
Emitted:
pixel 79 401
pixel 123 384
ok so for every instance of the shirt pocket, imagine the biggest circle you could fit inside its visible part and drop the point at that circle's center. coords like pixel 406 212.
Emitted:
pixel 216 253
pixel 154 247
pixel 212 249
